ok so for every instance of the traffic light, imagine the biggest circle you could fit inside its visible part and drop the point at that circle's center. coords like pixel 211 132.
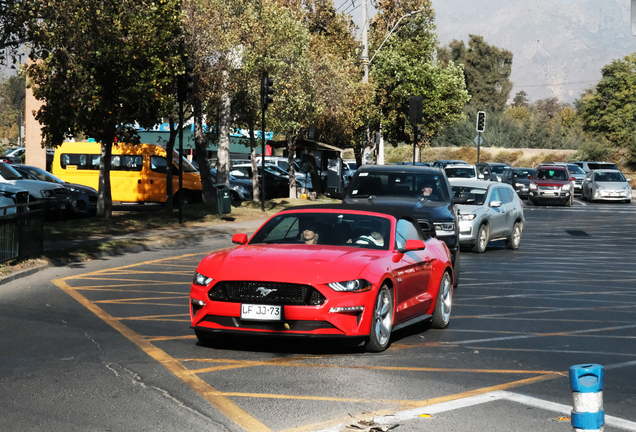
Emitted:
pixel 186 81
pixel 415 109
pixel 481 121
pixel 266 90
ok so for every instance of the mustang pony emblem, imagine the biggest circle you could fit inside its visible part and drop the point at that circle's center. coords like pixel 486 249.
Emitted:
pixel 264 291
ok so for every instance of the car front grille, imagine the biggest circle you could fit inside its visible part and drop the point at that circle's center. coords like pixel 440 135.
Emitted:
pixel 21 197
pixel 549 188
pixel 60 192
pixel 266 293
pixel 425 226
pixel 92 198
pixel 282 326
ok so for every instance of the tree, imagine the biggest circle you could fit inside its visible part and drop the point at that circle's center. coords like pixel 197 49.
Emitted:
pixel 487 71
pixel 12 94
pixel 520 100
pixel 611 109
pixel 405 66
pixel 101 67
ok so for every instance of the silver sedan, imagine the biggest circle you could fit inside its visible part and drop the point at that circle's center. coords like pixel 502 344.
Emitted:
pixel 493 212
pixel 606 184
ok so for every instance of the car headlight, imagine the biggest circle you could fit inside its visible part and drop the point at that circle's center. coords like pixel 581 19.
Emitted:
pixel 444 228
pixel 467 216
pixel 498 178
pixel 46 193
pixel 601 188
pixel 519 184
pixel 202 280
pixel 357 285
pixel 566 187
pixel 533 186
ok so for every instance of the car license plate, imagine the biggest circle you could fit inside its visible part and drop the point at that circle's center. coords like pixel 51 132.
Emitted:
pixel 261 312
pixel 549 193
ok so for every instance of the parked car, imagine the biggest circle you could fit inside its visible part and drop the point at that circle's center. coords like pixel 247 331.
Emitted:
pixel 493 212
pixel 574 170
pixel 394 184
pixel 519 179
pixel 445 162
pixel 13 155
pixel 606 184
pixel 495 169
pixel 348 273
pixel 588 166
pixel 552 184
pixel 240 189
pixel 276 184
pixel 462 171
pixel 82 199
pixel 54 197
pixel 10 195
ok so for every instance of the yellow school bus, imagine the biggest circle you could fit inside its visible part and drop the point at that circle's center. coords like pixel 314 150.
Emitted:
pixel 138 172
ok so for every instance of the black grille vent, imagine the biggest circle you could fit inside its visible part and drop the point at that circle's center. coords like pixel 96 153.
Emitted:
pixel 426 227
pixel 60 191
pixel 266 293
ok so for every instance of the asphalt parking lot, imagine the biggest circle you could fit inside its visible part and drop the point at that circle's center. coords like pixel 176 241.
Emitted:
pixel 520 320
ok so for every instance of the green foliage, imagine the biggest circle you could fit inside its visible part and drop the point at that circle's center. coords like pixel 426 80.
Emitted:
pixel 594 151
pixel 487 70
pixel 611 109
pixel 405 66
pixel 12 92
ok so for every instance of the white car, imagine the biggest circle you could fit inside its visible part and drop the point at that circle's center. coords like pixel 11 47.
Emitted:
pixel 463 171
pixel 54 196
pixel 606 184
pixel 11 195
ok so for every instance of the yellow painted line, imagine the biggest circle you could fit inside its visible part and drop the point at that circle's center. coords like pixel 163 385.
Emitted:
pixel 81 276
pixel 136 280
pixel 122 272
pixel 537 319
pixel 151 317
pixel 103 288
pixel 168 338
pixel 209 393
pixel 141 299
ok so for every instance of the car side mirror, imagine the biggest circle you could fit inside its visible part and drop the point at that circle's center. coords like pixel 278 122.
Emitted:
pixel 239 238
pixel 481 176
pixel 628 179
pixel 413 245
pixel 495 204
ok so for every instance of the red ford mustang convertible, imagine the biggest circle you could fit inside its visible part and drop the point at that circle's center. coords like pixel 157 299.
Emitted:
pixel 325 271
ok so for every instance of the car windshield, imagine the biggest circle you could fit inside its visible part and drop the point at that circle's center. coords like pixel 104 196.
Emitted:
pixel 9 173
pixel 275 169
pixel 480 193
pixel 457 172
pixel 327 229
pixel 400 185
pixel 42 175
pixel 498 169
pixel 598 165
pixel 522 173
pixel 610 177
pixel 551 174
pixel 187 166
pixel 575 169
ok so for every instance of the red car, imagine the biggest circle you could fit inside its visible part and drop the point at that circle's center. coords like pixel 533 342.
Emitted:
pixel 551 184
pixel 325 271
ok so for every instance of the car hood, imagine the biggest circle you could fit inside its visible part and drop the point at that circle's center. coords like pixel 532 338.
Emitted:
pixel 551 182
pixel 86 189
pixel 470 208
pixel 306 264
pixel 34 186
pixel 421 208
pixel 522 180
pixel 612 185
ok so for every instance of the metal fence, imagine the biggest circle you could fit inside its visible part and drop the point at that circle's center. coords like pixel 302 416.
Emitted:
pixel 21 231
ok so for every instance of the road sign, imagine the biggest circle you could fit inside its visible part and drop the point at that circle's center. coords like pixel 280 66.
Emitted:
pixel 478 140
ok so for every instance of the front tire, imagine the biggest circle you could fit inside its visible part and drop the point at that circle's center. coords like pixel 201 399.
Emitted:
pixel 570 201
pixel 482 239
pixel 515 237
pixel 442 312
pixel 381 322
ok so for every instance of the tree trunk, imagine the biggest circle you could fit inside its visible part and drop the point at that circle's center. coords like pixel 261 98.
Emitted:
pixel 291 152
pixel 104 197
pixel 169 171
pixel 200 144
pixel 256 187
pixel 368 148
pixel 223 154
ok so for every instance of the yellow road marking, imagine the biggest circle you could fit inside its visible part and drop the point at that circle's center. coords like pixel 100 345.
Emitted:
pixel 100 288
pixel 152 317
pixel 209 393
pixel 153 282
pixel 180 273
pixel 141 299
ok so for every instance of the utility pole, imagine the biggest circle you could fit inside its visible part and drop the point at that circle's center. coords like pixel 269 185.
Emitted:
pixel 365 42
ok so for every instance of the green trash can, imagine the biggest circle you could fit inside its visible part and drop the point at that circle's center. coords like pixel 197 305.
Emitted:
pixel 223 199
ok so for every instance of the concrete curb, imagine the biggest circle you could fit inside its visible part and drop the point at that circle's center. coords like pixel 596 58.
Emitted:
pixel 177 237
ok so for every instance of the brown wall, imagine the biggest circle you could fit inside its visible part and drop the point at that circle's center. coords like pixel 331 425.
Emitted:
pixel 35 154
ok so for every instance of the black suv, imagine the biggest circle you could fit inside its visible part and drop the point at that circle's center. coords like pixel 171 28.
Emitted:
pixel 426 188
